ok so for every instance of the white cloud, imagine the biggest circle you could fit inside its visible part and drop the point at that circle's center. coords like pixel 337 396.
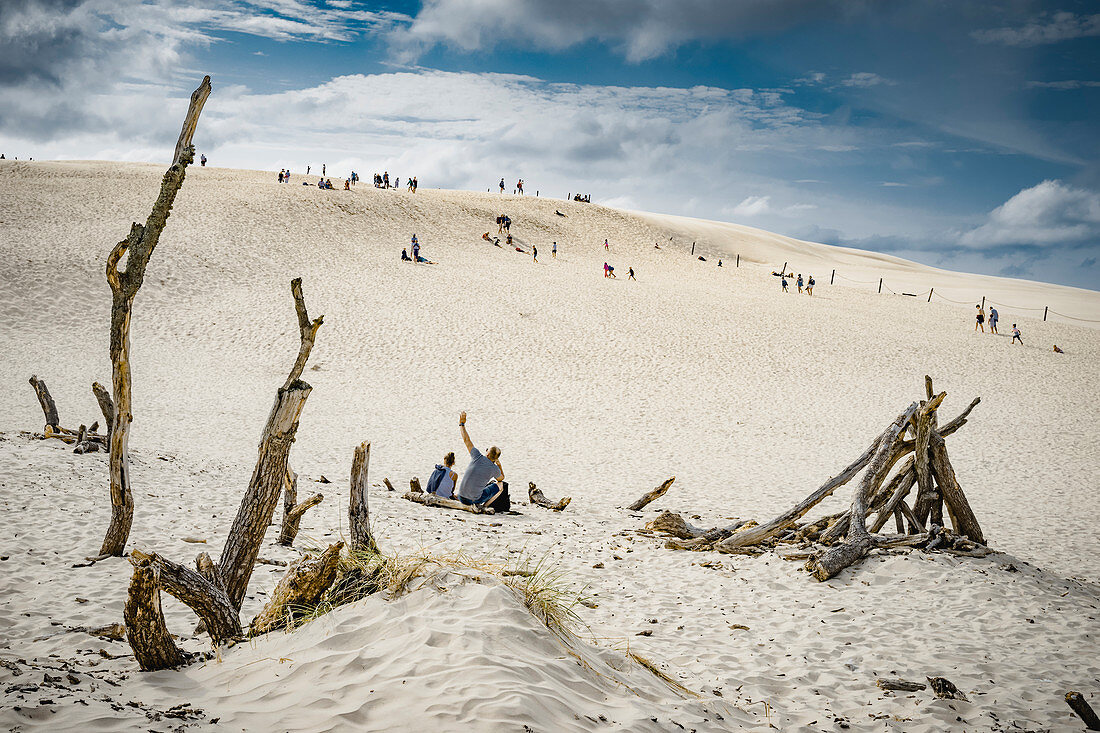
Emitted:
pixel 1062 86
pixel 1045 29
pixel 753 206
pixel 863 79
pixel 638 29
pixel 1050 213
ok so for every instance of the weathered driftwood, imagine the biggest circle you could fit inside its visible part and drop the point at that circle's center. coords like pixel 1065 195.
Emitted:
pixel 945 689
pixel 299 590
pixel 859 540
pixel 45 400
pixel 428 499
pixel 1084 711
pixel 898 487
pixel 762 532
pixel 106 406
pixel 538 498
pixel 896 683
pixel 145 629
pixel 362 541
pixel 137 248
pixel 650 496
pixel 671 523
pixel 262 496
pixel 414 485
pixel 389 486
pixel 292 510
pixel 209 601
pixel 962 516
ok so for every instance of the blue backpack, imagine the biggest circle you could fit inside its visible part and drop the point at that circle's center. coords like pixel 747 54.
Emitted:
pixel 436 478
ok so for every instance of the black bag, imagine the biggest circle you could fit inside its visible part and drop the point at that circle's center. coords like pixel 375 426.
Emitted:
pixel 503 503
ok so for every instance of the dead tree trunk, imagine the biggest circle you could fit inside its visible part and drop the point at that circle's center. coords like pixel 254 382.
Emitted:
pixel 292 511
pixel 145 630
pixel 362 541
pixel 106 406
pixel 262 496
pixel 673 524
pixel 1084 711
pixel 653 495
pixel 537 497
pixel 49 407
pixel 414 485
pixel 138 248
pixel 299 591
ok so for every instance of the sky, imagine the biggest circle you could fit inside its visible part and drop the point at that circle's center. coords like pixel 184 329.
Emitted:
pixel 962 134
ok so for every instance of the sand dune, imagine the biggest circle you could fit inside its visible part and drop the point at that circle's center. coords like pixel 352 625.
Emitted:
pixel 595 388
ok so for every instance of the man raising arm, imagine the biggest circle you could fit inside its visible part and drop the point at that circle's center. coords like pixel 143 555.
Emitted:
pixel 482 481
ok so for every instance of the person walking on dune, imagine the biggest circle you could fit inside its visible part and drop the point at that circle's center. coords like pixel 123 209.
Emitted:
pixel 979 321
pixel 519 186
pixel 810 286
pixel 784 283
pixel 630 272
pixel 1016 335
pixel 554 251
pixel 535 253
pixel 606 246
pixel 483 480
pixel 993 317
pixel 798 283
pixel 502 185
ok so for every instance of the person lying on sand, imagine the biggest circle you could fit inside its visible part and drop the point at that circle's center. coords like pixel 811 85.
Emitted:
pixel 1057 350
pixel 483 480
pixel 443 479
pixel 425 260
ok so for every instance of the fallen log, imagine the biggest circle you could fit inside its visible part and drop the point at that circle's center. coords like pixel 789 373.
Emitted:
pixel 709 537
pixel 896 683
pixel 145 629
pixel 438 501
pixel 358 508
pixel 1080 705
pixel 673 524
pixel 650 496
pixel 537 497
pixel 962 516
pixel 45 401
pixel 389 486
pixel 299 590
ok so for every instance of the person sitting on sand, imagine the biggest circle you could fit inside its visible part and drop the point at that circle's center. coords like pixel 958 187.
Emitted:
pixel 483 480
pixel 810 286
pixel 1016 335
pixel 1057 350
pixel 405 256
pixel 443 479
pixel 508 240
pixel 979 321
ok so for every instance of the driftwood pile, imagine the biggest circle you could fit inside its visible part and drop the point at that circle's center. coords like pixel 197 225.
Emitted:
pixel 837 541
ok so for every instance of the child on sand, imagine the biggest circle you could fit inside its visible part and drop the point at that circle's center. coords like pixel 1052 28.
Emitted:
pixel 1016 335
pixel 535 253
pixel 554 251
pixel 606 246
pixel 993 316
pixel 979 321
pixel 784 278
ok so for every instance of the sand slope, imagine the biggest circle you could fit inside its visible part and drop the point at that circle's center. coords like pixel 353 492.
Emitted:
pixel 595 388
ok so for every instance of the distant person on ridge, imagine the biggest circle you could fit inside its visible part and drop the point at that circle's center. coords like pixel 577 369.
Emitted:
pixel 519 186
pixel 322 169
pixel 202 160
pixel 502 185
pixel 1016 335
pixel 483 481
pixel 993 317
pixel 979 321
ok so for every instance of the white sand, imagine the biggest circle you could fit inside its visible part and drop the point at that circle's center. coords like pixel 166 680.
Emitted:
pixel 595 388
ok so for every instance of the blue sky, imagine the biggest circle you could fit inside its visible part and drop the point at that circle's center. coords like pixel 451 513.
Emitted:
pixel 960 134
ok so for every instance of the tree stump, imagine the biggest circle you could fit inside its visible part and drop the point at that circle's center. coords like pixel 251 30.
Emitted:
pixel 208 600
pixel 362 541
pixel 299 590
pixel 45 400
pixel 145 630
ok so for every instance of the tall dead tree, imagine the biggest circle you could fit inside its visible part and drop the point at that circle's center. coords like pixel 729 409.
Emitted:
pixel 358 507
pixel 137 248
pixel 262 496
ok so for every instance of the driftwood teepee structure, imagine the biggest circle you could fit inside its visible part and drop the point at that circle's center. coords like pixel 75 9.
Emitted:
pixel 832 543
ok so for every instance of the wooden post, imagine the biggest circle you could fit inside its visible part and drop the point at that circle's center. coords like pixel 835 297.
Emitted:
pixel 138 248
pixel 1045 309
pixel 262 496
pixel 693 248
pixel 831 277
pixel 738 261
pixel 983 301
pixel 930 294
pixel 880 285
pixel 783 271
pixel 358 507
